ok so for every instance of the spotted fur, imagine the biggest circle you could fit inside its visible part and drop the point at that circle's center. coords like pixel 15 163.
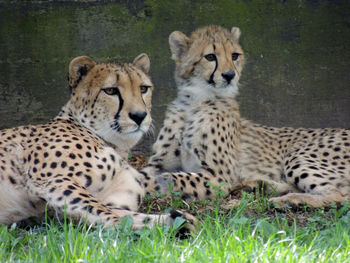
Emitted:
pixel 75 162
pixel 205 144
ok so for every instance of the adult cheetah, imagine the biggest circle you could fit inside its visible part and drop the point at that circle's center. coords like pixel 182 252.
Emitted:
pixel 74 162
pixel 204 143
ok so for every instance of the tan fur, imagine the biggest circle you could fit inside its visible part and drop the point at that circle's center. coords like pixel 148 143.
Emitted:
pixel 188 54
pixel 205 145
pixel 185 143
pixel 74 162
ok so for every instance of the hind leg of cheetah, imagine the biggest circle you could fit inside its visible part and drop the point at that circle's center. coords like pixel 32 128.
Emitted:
pixel 321 180
pixel 290 195
pixel 317 175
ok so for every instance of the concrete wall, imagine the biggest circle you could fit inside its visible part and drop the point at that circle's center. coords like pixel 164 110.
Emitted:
pixel 297 73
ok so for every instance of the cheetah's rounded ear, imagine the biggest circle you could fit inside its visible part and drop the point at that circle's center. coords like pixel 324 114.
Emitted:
pixel 142 62
pixel 78 68
pixel 236 33
pixel 179 44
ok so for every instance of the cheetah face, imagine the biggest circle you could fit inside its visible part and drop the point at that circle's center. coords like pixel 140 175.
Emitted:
pixel 113 100
pixel 210 60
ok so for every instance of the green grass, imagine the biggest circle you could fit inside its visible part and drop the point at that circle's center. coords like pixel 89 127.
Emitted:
pixel 252 232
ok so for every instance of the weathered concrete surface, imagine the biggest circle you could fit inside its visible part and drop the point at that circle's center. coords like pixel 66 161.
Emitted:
pixel 297 73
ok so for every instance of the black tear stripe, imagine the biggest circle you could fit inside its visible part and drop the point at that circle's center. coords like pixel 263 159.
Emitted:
pixel 211 79
pixel 116 117
pixel 93 104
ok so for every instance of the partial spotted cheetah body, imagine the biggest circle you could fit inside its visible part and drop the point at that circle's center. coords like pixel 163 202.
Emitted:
pixel 73 163
pixel 205 144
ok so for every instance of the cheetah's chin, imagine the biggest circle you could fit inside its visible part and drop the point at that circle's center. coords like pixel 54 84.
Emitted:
pixel 139 129
pixel 201 90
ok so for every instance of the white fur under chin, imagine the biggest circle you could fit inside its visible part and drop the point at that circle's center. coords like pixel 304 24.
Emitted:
pixel 201 90
pixel 125 140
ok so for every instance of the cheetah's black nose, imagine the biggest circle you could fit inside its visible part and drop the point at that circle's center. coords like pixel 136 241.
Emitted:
pixel 137 117
pixel 229 75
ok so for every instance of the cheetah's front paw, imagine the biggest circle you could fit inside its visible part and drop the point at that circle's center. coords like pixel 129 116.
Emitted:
pixel 296 200
pixel 188 226
pixel 284 202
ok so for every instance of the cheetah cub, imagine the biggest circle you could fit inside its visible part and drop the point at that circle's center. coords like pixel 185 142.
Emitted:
pixel 205 144
pixel 74 162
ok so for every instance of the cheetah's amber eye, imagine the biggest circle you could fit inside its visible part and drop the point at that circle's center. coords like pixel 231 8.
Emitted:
pixel 111 91
pixel 235 56
pixel 210 57
pixel 144 89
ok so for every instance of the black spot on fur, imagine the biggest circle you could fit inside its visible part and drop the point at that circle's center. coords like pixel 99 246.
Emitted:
pixel 88 180
pixel 78 145
pixel 87 164
pixel 63 164
pixel 296 166
pixel 75 201
pixel 192 184
pixel 12 180
pixel 304 175
pixel 296 180
pixel 210 171
pixel 89 209
pixel 67 192
pixel 98 212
